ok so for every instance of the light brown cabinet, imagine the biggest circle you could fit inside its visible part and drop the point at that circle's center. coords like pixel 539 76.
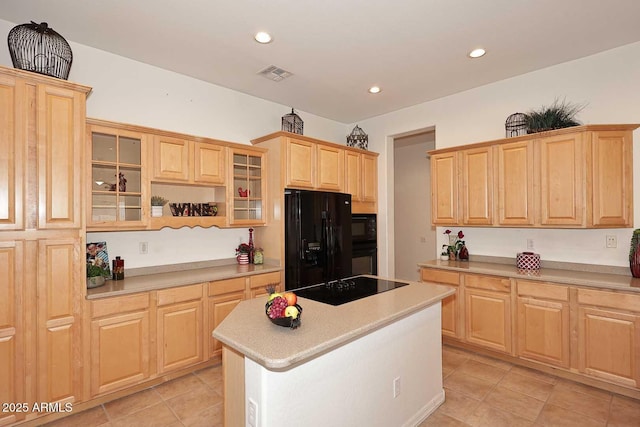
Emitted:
pixel 488 311
pixel 117 181
pixel 247 194
pixel 611 168
pixel 444 188
pixel 120 342
pixel 258 284
pixel 361 181
pixel 41 225
pixel 477 186
pixel 180 325
pixel 299 163
pixel 578 177
pixel 12 146
pixel 60 142
pixel 12 354
pixel 224 296
pixel 543 323
pixel 330 168
pixel 515 189
pixel 185 161
pixel 451 305
pixel 60 298
pixel 609 336
pixel 562 179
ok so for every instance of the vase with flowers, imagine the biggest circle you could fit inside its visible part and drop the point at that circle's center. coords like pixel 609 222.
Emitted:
pixel 456 248
pixel 242 253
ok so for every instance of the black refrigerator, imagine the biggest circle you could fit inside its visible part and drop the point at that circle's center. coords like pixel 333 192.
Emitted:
pixel 317 237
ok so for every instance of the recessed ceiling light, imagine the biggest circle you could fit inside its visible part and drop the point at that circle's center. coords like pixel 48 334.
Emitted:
pixel 262 37
pixel 374 89
pixel 477 53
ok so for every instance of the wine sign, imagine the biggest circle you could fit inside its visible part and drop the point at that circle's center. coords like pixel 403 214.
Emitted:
pixel 193 209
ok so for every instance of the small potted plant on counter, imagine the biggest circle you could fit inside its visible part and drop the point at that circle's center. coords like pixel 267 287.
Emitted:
pixel 157 202
pixel 95 276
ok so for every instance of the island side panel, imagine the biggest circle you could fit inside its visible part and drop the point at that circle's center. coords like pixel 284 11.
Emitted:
pixel 233 383
pixel 353 384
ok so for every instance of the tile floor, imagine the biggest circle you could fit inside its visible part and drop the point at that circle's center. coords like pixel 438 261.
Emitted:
pixel 480 391
pixel 192 400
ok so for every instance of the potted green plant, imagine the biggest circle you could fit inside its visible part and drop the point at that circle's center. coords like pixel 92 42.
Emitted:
pixel 560 114
pixel 157 202
pixel 95 276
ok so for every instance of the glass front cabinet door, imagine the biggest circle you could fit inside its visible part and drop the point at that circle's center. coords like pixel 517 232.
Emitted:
pixel 116 181
pixel 247 191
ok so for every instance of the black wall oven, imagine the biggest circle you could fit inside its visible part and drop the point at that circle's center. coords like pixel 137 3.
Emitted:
pixel 364 244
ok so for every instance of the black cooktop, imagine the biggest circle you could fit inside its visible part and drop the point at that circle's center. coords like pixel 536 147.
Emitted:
pixel 346 290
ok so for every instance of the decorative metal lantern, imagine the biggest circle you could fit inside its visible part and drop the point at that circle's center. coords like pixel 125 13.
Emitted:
pixel 292 123
pixel 358 138
pixel 36 47
pixel 516 125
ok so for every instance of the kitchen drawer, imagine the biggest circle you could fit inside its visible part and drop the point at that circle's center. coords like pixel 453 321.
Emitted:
pixel 261 280
pixel 180 294
pixel 492 283
pixel 543 290
pixel 220 287
pixel 439 276
pixel 123 304
pixel 621 301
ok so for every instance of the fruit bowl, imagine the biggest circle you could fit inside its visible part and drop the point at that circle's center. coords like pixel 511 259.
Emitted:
pixel 287 322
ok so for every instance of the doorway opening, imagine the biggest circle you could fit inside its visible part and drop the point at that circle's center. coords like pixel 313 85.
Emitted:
pixel 414 236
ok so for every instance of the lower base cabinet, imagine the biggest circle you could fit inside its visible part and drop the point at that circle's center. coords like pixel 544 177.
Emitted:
pixel 224 296
pixel 451 310
pixel 543 323
pixel 609 336
pixel 488 312
pixel 259 284
pixel 120 342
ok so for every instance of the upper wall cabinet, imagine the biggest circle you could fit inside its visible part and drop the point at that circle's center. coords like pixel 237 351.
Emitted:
pixel 578 177
pixel 11 156
pixel 184 161
pixel 60 137
pixel 314 164
pixel 116 178
pixel 247 193
pixel 128 164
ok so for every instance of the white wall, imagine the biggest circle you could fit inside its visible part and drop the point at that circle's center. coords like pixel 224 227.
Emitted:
pixel 608 81
pixel 414 238
pixel 352 385
pixel 128 91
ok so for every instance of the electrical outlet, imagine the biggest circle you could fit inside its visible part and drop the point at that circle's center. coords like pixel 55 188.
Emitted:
pixel 252 417
pixel 396 387
pixel 530 244
pixel 612 242
pixel 143 247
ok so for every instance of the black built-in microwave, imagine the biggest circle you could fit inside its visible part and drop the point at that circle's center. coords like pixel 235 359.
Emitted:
pixel 363 228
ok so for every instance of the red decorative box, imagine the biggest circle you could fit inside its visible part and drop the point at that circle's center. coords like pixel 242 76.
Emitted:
pixel 528 261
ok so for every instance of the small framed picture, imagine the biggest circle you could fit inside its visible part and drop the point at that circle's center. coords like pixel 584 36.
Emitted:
pixel 97 256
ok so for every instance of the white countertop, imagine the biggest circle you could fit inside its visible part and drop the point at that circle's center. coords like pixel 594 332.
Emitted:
pixel 169 279
pixel 248 330
pixel 569 277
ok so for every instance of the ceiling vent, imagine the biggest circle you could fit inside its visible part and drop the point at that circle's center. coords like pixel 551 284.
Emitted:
pixel 274 73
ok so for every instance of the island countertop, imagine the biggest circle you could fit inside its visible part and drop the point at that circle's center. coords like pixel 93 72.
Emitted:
pixel 324 327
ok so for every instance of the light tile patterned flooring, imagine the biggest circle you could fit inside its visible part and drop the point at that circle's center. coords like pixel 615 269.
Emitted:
pixel 194 400
pixel 480 391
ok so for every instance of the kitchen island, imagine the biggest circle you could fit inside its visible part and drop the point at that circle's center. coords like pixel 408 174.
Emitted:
pixel 341 367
